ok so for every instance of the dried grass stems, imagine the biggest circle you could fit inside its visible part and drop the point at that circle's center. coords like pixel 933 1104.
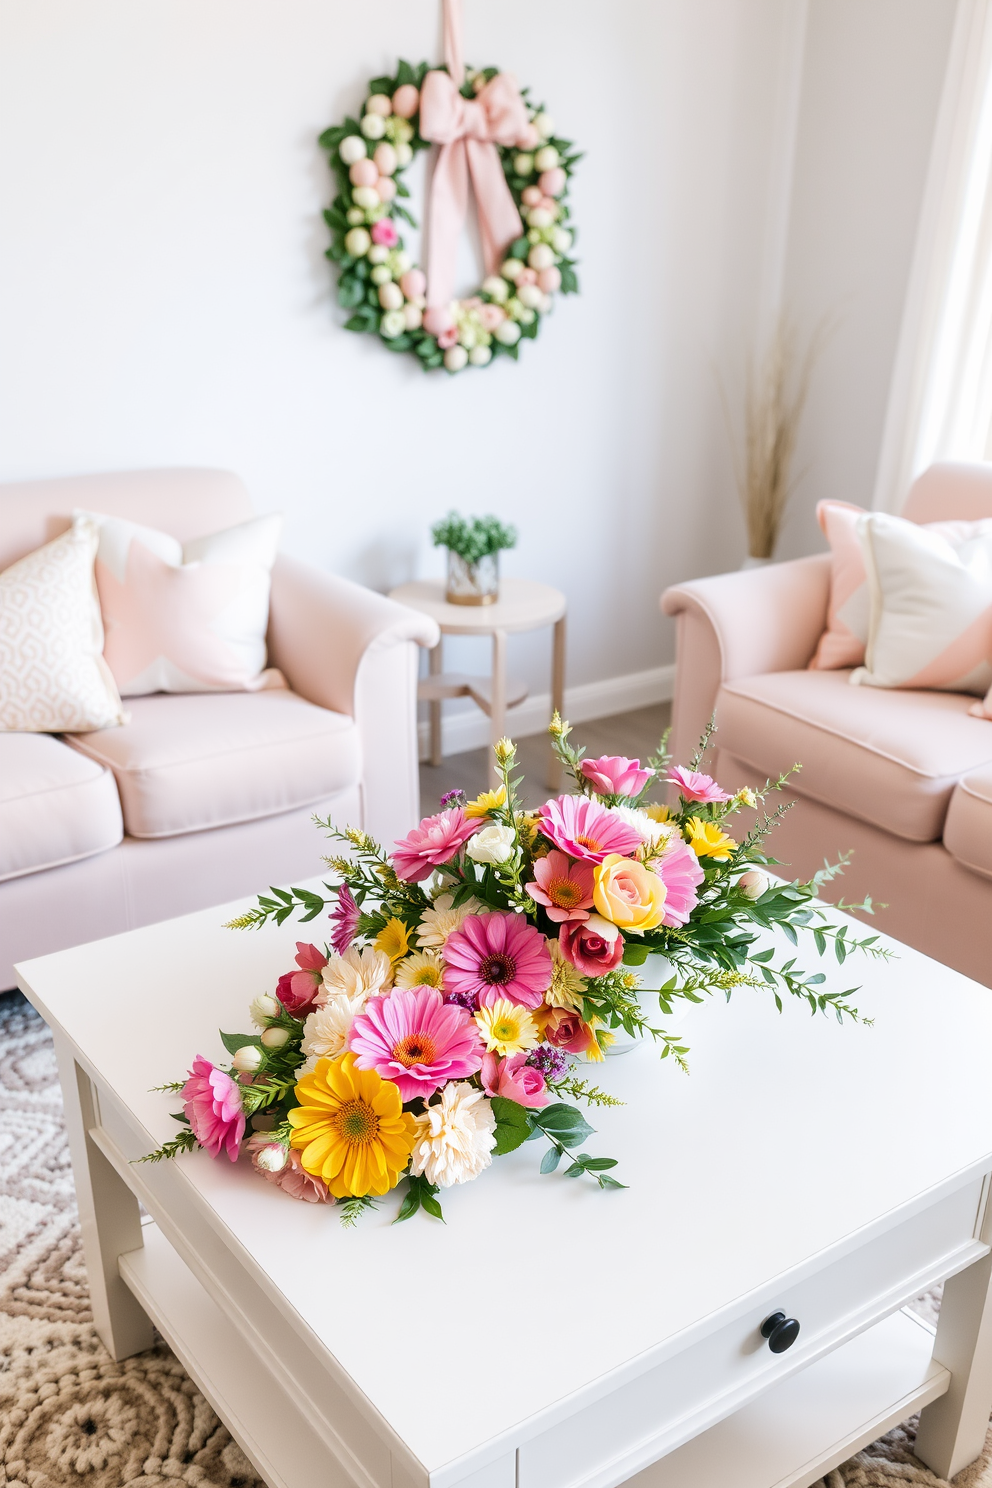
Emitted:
pixel 776 386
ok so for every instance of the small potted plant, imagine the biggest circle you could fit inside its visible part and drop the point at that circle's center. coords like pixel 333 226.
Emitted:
pixel 474 545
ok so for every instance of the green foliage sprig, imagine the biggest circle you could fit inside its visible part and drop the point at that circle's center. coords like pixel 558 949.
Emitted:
pixel 473 538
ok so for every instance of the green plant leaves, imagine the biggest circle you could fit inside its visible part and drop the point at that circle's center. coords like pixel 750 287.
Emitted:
pixel 512 1125
pixel 234 1041
pixel 566 1123
pixel 419 1195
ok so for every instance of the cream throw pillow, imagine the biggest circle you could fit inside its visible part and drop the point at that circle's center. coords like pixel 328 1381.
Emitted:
pixel 53 678
pixel 186 619
pixel 931 604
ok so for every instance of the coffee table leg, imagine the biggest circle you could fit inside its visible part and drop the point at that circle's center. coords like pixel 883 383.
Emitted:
pixel 109 1217
pixel 497 706
pixel 557 694
pixel 434 663
pixel 952 1429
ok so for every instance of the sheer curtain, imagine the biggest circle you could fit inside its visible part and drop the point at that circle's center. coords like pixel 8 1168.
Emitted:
pixel 940 402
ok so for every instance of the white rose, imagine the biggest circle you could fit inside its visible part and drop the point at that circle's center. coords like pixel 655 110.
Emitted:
pixel 494 844
pixel 373 126
pixel 753 884
pixel 496 288
pixel 262 1009
pixel 352 149
pixel 392 324
pixel 248 1058
pixel 390 296
pixel 546 158
pixel 480 356
pixel 455 358
pixel 541 257
pixel 507 334
pixel 357 242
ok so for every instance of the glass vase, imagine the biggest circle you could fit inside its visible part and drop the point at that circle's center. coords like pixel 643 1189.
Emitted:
pixel 472 583
pixel 654 973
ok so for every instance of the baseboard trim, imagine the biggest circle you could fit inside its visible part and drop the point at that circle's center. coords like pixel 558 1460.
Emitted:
pixel 469 729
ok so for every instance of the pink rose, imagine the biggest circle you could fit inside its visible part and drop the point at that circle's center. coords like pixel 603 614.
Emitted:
pixel 615 775
pixel 526 276
pixel 448 338
pixel 593 946
pixel 297 990
pixel 696 787
pixel 384 232
pixel 490 316
pixel 515 1079
pixel 566 1030
pixel 292 1177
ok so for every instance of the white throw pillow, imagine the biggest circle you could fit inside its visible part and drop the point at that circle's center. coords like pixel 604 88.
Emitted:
pixel 53 678
pixel 931 604
pixel 186 618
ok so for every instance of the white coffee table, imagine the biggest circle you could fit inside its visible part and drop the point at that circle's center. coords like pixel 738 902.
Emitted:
pixel 550 1335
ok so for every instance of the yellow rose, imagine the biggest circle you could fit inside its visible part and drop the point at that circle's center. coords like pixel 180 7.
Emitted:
pixel 628 894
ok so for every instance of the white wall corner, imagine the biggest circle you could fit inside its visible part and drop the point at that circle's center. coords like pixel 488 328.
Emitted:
pixel 469 728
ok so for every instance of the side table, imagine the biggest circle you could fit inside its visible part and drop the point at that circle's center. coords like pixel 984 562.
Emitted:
pixel 523 605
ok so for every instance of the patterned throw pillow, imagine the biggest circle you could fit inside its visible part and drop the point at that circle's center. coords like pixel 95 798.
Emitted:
pixel 53 678
pixel 186 619
pixel 931 604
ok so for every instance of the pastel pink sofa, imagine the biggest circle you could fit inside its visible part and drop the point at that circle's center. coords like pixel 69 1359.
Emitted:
pixel 203 797
pixel 902 778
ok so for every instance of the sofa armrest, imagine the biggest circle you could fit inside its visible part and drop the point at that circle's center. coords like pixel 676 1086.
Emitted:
pixel 741 625
pixel 349 649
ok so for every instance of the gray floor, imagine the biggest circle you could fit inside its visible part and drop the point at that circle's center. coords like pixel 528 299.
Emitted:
pixel 633 734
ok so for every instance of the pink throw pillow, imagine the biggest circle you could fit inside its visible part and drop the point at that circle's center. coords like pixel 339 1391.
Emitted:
pixel 843 642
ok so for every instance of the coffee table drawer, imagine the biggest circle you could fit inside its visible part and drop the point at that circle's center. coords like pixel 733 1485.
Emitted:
pixel 622 1432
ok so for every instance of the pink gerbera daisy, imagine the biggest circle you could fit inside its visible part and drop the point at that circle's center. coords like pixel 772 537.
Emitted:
pixel 212 1103
pixel 498 955
pixel 563 887
pixel 615 775
pixel 696 787
pixel 679 870
pixel 416 1040
pixel 433 843
pixel 345 918
pixel 585 829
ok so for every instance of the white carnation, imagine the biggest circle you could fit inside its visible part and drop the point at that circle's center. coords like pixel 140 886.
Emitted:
pixel 358 973
pixel 442 920
pixel 651 832
pixel 326 1029
pixel 455 1136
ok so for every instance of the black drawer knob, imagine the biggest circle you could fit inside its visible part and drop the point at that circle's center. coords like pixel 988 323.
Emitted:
pixel 781 1332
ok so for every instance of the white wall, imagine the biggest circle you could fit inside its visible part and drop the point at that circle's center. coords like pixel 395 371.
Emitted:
pixel 872 75
pixel 165 299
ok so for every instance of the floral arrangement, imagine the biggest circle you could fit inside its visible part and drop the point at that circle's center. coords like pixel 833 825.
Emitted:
pixel 469 971
pixel 473 538
pixel 378 281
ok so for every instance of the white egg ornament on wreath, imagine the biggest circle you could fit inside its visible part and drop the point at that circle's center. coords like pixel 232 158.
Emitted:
pixel 381 289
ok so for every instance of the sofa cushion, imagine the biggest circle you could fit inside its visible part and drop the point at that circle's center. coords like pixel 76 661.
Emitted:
pixel 968 829
pixel 190 761
pixel 55 806
pixel 890 758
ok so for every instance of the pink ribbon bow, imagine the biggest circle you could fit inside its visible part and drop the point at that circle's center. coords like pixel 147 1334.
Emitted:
pixel 468 131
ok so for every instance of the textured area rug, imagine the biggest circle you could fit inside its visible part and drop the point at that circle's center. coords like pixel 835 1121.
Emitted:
pixel 69 1414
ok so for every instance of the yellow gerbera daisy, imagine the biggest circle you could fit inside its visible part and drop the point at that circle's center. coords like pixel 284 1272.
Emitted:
pixel 394 940
pixel 350 1128
pixel 507 1028
pixel 707 840
pixel 487 803
pixel 421 969
pixel 657 813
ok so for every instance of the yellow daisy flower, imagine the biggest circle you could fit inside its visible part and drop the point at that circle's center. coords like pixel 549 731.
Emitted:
pixel 601 1040
pixel 350 1128
pixel 567 985
pixel 657 813
pixel 487 803
pixel 421 969
pixel 507 1028
pixel 394 940
pixel 707 840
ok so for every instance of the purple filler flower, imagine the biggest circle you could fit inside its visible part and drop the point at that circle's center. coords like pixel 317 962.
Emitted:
pixel 553 1063
pixel 452 798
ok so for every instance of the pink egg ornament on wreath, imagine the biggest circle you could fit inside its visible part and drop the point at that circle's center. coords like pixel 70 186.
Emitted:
pixel 551 182
pixel 406 101
pixel 413 283
pixel 363 173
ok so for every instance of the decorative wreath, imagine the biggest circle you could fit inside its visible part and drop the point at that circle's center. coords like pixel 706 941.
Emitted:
pixel 488 131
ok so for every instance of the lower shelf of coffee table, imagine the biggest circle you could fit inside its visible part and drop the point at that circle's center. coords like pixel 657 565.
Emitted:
pixel 791 1435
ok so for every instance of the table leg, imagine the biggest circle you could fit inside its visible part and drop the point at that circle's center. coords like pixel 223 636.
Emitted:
pixel 557 694
pixel 497 710
pixel 109 1217
pixel 434 665
pixel 952 1429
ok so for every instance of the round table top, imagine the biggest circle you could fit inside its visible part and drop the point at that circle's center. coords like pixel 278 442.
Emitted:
pixel 523 604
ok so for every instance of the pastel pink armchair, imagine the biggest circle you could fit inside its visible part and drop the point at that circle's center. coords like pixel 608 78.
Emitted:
pixel 204 797
pixel 902 778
